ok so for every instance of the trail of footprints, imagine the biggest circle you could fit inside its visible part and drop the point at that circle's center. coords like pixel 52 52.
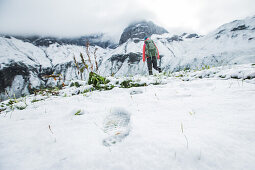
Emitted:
pixel 117 126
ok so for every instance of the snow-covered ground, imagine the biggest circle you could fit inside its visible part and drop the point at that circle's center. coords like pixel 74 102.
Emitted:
pixel 191 120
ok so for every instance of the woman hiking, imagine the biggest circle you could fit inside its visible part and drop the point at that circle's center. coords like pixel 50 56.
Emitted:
pixel 150 51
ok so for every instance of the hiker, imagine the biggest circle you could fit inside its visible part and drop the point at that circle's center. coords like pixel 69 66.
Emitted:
pixel 150 50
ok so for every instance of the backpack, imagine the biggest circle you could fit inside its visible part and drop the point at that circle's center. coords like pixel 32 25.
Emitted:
pixel 151 49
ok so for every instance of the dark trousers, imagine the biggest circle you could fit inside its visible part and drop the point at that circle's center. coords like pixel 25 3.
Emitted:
pixel 152 61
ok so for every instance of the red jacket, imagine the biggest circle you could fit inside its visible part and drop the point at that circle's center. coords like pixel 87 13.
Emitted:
pixel 144 46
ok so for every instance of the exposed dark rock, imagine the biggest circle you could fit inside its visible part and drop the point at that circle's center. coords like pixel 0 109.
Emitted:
pixel 136 40
pixel 133 58
pixel 221 31
pixel 174 38
pixel 8 73
pixel 119 58
pixel 184 34
pixel 7 36
pixel 13 69
pixel 192 36
pixel 140 30
pixel 240 27
pixel 217 37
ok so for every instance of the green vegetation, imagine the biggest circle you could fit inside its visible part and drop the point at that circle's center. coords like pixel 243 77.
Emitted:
pixel 186 69
pixel 205 67
pixel 99 82
pixel 1 110
pixel 78 113
pixel 88 90
pixel 222 76
pixel 76 84
pixel 11 102
pixel 96 80
pixel 36 100
pixel 180 75
pixel 106 87
pixel 130 83
pixel 21 107
pixel 126 84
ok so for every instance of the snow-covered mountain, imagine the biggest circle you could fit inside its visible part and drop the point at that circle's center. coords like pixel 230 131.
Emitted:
pixel 24 66
pixel 100 40
pixel 24 63
pixel 138 30
pixel 232 43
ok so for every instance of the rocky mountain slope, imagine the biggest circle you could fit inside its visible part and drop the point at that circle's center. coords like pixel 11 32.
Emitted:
pixel 25 67
pixel 137 31
pixel 26 63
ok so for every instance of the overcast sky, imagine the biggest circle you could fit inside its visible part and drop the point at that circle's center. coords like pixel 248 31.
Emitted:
pixel 79 17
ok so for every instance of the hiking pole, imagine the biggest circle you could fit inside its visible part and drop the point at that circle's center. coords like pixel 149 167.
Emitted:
pixel 160 62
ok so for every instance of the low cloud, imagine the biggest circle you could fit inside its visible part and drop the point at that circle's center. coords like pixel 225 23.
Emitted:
pixel 213 14
pixel 69 17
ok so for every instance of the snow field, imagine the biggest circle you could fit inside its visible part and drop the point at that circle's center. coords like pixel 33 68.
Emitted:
pixel 199 124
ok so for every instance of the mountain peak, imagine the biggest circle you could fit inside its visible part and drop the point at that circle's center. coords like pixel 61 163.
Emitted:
pixel 140 30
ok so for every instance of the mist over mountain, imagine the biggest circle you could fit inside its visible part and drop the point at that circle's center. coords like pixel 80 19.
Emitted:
pixel 136 30
pixel 94 39
pixel 139 30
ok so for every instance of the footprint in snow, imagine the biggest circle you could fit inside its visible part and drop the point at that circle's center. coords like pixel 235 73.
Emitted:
pixel 136 91
pixel 116 125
